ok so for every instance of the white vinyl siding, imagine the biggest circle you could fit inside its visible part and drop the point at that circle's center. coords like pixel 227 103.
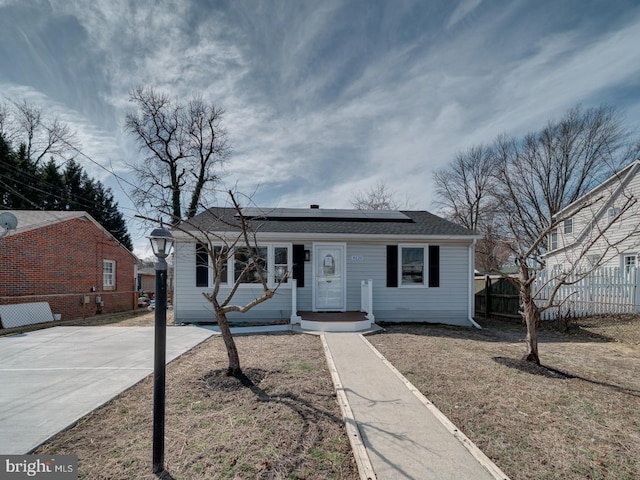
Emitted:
pixel 191 305
pixel 620 232
pixel 449 303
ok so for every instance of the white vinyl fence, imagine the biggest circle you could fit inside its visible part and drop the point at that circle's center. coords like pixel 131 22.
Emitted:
pixel 606 290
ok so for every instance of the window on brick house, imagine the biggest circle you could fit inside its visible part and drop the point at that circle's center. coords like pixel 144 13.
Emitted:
pixel 108 273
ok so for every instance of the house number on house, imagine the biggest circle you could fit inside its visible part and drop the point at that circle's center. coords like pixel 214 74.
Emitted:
pixel 357 258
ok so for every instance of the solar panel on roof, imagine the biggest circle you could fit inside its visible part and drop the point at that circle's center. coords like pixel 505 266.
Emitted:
pixel 324 213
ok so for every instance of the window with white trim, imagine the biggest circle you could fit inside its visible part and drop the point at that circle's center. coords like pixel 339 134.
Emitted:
pixel 553 240
pixel 272 261
pixel 250 264
pixel 568 225
pixel 629 262
pixel 411 259
pixel 281 263
pixel 108 273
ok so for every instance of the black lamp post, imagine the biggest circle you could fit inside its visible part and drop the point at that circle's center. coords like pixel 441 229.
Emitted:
pixel 161 243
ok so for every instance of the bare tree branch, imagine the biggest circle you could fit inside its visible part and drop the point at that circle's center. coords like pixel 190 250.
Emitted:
pixel 186 147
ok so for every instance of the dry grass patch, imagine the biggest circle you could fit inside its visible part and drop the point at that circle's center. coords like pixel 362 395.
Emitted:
pixel 280 421
pixel 575 418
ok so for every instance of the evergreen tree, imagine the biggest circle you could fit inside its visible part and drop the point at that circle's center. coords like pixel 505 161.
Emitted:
pixel 24 185
pixel 51 186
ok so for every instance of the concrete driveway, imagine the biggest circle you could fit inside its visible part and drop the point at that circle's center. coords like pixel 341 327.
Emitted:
pixel 50 378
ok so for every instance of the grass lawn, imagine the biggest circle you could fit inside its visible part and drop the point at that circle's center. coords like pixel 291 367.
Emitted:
pixel 575 418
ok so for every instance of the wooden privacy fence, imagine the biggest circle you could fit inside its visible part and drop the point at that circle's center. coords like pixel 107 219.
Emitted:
pixel 496 296
pixel 606 290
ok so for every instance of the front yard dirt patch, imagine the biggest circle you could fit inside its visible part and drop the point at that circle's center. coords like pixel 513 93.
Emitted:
pixel 574 418
pixel 280 421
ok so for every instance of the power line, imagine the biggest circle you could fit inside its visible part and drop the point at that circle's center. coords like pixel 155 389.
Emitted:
pixel 80 200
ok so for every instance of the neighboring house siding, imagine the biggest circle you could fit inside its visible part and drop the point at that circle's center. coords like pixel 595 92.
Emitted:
pixel 569 251
pixel 61 263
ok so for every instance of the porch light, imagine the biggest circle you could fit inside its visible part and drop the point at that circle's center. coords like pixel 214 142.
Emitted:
pixel 161 242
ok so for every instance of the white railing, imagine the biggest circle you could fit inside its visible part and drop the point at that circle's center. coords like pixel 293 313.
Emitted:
pixel 607 290
pixel 295 318
pixel 366 298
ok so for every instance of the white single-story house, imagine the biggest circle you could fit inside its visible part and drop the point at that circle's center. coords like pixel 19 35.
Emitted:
pixel 394 266
pixel 602 227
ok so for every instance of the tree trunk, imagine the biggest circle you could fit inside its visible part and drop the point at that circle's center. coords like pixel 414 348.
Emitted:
pixel 232 352
pixel 531 315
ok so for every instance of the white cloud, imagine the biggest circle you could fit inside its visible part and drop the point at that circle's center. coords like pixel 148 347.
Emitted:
pixel 464 8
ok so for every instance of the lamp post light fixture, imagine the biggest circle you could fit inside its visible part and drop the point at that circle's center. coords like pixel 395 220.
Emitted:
pixel 161 243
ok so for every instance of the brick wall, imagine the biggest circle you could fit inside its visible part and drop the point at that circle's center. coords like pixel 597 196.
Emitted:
pixel 60 264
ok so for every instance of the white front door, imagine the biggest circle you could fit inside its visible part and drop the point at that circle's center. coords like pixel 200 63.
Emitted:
pixel 329 270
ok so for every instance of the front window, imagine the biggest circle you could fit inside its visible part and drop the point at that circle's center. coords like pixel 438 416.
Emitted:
pixel 554 240
pixel 250 264
pixel 108 273
pixel 412 266
pixel 280 263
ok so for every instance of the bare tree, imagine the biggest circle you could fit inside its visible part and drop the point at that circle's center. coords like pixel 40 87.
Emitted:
pixel 25 124
pixel 540 175
pixel 224 236
pixel 4 119
pixel 465 187
pixel 513 191
pixel 378 197
pixel 186 147
pixel 491 252
pixel 465 194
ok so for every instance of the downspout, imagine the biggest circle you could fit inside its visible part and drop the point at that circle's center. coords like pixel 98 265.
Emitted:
pixel 472 295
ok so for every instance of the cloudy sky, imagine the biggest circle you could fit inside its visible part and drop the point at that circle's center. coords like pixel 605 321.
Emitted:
pixel 322 98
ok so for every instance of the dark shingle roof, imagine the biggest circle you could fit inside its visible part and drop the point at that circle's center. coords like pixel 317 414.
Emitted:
pixel 323 221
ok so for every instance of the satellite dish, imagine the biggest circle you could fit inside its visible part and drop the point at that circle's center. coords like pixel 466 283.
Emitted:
pixel 8 221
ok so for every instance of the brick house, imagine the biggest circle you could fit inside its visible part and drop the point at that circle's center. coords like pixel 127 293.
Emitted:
pixel 68 260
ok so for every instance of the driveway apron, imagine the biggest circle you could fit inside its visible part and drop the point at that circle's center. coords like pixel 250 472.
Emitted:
pixel 50 378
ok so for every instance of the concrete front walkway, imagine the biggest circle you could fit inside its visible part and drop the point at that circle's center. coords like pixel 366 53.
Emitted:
pixel 50 378
pixel 395 432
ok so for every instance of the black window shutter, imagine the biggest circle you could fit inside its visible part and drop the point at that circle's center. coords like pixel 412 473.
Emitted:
pixel 202 266
pixel 298 264
pixel 392 265
pixel 434 265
